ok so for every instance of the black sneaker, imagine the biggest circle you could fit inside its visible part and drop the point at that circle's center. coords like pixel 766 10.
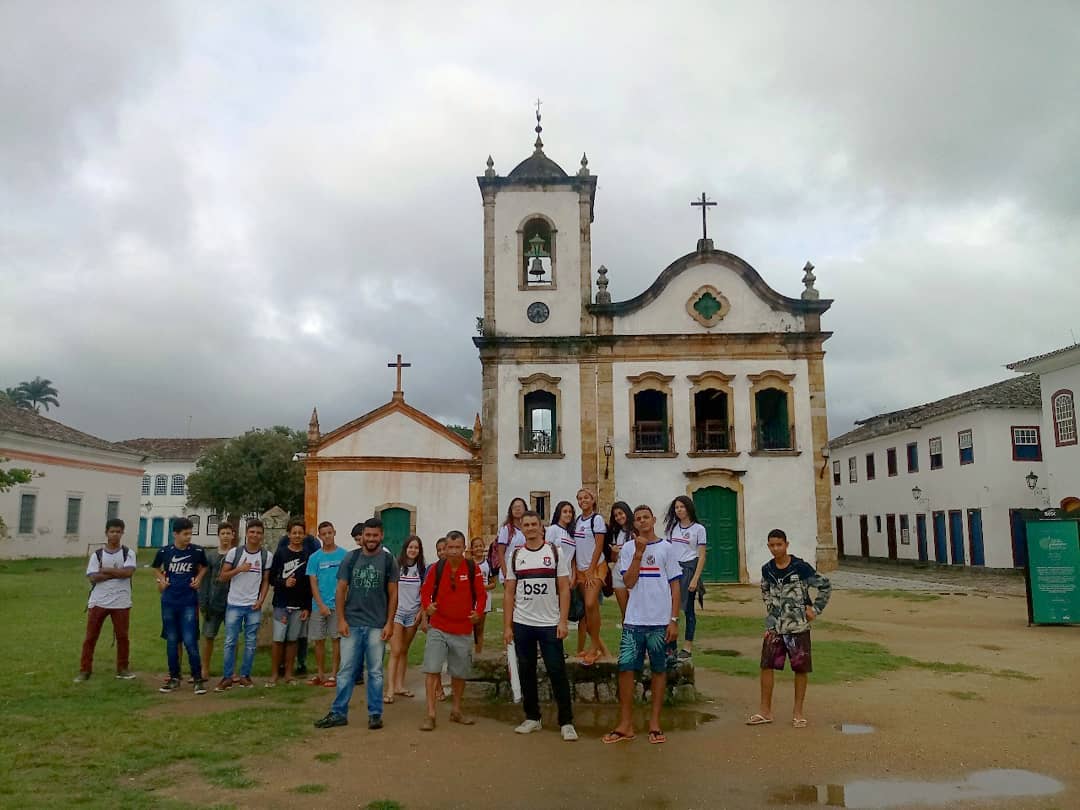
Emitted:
pixel 374 722
pixel 200 687
pixel 331 721
pixel 125 675
pixel 684 655
pixel 170 685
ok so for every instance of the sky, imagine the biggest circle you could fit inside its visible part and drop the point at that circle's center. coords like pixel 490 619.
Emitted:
pixel 214 216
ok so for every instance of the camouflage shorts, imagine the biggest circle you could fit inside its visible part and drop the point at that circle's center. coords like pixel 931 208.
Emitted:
pixel 778 647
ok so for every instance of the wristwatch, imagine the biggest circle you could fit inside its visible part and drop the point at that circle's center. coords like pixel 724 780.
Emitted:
pixel 675 619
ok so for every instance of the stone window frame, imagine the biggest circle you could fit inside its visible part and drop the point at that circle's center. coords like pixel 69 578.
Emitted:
pixel 537 494
pixel 651 381
pixel 719 381
pixel 1063 414
pixel 177 484
pixel 725 306
pixel 195 521
pixel 213 521
pixel 161 485
pixel 522 272
pixel 147 484
pixel 540 381
pixel 780 381
pixel 408 507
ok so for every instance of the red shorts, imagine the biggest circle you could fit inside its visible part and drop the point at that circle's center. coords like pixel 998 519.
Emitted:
pixel 778 647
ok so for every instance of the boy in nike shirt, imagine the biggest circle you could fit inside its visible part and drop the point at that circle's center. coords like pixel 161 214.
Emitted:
pixel 180 570
pixel 651 573
pixel 292 600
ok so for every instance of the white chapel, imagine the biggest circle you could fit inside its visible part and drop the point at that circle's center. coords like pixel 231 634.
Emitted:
pixel 709 383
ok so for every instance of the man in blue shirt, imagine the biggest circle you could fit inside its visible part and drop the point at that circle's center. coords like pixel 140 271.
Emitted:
pixel 180 569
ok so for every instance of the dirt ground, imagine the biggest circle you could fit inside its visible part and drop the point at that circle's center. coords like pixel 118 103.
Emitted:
pixel 922 732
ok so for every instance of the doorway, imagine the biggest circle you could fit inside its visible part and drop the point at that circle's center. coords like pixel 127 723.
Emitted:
pixel 718 511
pixel 956 536
pixel 975 537
pixel 839 537
pixel 890 534
pixel 396 523
pixel 920 537
pixel 941 548
pixel 864 536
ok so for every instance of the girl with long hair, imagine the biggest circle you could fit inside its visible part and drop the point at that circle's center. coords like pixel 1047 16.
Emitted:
pixel 688 537
pixel 478 552
pixel 510 536
pixel 561 532
pixel 589 532
pixel 619 532
pixel 408 618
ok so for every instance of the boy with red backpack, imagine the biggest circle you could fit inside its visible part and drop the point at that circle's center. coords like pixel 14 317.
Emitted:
pixel 453 597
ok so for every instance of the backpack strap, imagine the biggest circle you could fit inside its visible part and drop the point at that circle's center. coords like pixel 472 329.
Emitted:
pixel 440 566
pixel 472 580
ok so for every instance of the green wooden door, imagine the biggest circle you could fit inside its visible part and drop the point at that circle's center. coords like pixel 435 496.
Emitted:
pixel 718 511
pixel 395 528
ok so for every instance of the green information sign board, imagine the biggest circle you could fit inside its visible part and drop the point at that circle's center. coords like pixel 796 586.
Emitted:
pixel 1053 571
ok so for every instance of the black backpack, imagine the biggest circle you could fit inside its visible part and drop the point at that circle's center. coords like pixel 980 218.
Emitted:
pixel 440 566
pixel 100 554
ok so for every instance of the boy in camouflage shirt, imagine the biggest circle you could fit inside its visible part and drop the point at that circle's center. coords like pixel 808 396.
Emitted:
pixel 785 584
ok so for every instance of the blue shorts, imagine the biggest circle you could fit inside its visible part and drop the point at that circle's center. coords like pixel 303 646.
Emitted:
pixel 636 641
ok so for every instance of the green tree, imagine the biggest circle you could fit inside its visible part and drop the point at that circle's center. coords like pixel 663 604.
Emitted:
pixel 463 431
pixel 251 473
pixel 16 396
pixel 10 478
pixel 38 392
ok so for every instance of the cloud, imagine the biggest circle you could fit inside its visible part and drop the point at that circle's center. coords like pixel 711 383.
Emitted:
pixel 235 212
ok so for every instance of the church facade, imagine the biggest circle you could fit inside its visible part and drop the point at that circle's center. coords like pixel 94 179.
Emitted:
pixel 709 383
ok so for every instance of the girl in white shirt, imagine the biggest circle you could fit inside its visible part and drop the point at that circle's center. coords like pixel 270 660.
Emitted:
pixel 620 531
pixel 589 530
pixel 510 536
pixel 407 619
pixel 561 533
pixel 688 538
pixel 478 552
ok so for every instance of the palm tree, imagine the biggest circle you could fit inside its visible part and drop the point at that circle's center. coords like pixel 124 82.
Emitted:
pixel 40 392
pixel 16 396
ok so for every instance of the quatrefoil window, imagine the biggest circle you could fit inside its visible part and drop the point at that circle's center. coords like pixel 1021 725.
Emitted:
pixel 708 306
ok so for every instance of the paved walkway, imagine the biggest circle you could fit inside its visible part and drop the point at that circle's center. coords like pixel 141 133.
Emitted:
pixel 870 577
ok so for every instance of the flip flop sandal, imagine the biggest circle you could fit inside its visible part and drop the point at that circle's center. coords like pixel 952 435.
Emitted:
pixel 388 699
pixel 406 693
pixel 657 738
pixel 315 680
pixel 613 737
pixel 758 720
pixel 330 682
pixel 799 723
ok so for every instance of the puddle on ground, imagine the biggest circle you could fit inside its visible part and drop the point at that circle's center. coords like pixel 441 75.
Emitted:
pixel 724 653
pixel 595 720
pixel 855 728
pixel 878 793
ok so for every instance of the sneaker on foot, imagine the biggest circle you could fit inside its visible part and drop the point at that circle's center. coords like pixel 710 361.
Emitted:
pixel 374 722
pixel 528 727
pixel 122 675
pixel 200 687
pixel 83 677
pixel 684 655
pixel 246 683
pixel 331 721
pixel 569 733
pixel 171 685
pixel 428 724
pixel 224 685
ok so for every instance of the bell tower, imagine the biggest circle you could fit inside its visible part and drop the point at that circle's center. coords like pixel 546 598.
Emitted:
pixel 537 247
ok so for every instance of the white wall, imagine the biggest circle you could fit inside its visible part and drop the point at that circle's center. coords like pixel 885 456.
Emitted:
pixel 993 483
pixel 519 477
pixel 1062 463
pixel 395 435
pixel 512 208
pixel 778 491
pixel 349 497
pixel 667 314
pixel 168 505
pixel 73 474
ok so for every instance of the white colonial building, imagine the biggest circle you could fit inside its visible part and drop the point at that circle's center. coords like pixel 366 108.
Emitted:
pixel 80 482
pixel 709 383
pixel 943 482
pixel 163 492
pixel 1059 377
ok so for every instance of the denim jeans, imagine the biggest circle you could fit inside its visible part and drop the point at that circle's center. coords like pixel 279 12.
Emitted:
pixel 362 645
pixel 251 619
pixel 181 623
pixel 526 640
pixel 687 597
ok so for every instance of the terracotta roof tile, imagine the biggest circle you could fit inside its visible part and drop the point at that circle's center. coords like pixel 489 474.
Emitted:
pixel 172 448
pixel 30 423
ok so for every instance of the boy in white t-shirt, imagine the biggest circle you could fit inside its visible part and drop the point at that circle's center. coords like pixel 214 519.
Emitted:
pixel 651 572
pixel 247 570
pixel 537 601
pixel 110 569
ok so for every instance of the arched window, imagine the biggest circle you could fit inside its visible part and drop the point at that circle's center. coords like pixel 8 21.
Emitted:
pixel 194 524
pixel 212 524
pixel 146 485
pixel 536 253
pixel 772 412
pixel 539 417
pixel 177 485
pixel 711 413
pixel 650 414
pixel 1064 411
pixel 161 484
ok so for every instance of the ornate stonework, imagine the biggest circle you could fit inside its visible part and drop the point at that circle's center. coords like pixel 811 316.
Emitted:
pixel 708 306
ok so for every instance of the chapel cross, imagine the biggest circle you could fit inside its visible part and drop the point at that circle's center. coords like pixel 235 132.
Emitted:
pixel 398 393
pixel 704 204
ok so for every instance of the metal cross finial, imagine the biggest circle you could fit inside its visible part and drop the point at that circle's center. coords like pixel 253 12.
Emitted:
pixel 539 145
pixel 704 204
pixel 398 393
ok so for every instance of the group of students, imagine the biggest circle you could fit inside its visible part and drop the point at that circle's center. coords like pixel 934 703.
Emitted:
pixel 364 599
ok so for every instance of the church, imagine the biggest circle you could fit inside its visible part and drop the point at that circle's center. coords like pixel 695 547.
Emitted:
pixel 709 384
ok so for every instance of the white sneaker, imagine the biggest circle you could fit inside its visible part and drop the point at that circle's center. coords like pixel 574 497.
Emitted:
pixel 569 733
pixel 528 727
